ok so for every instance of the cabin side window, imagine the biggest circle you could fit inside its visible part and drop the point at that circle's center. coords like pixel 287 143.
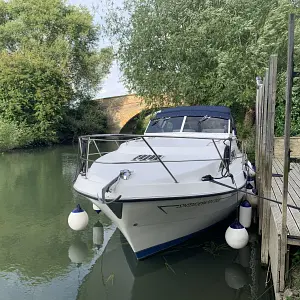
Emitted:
pixel 205 124
pixel 168 124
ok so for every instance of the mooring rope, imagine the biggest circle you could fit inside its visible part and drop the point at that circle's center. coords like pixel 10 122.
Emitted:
pixel 212 179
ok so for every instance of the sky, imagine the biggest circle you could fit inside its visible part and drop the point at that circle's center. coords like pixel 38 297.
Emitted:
pixel 112 85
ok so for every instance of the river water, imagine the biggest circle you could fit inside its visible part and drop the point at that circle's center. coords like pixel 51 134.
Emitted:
pixel 41 258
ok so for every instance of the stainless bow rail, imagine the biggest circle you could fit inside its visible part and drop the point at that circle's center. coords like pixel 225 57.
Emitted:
pixel 90 146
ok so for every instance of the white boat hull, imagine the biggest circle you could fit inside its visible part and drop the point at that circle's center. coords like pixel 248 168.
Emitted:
pixel 152 226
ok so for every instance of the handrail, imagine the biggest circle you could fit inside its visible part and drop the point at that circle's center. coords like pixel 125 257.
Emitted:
pixel 106 189
pixel 151 161
pixel 86 140
pixel 154 135
pixel 223 161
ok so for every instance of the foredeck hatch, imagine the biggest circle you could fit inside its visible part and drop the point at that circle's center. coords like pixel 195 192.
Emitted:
pixel 147 157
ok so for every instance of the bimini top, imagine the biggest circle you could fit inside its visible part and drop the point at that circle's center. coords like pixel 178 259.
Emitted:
pixel 222 112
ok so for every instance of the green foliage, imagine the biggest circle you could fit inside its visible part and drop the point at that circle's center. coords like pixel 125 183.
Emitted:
pixel 204 52
pixel 142 121
pixel 32 90
pixel 48 60
pixel 296 258
pixel 141 124
pixel 86 118
pixel 247 135
pixel 14 136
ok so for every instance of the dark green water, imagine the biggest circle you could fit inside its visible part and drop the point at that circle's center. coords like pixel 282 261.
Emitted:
pixel 41 258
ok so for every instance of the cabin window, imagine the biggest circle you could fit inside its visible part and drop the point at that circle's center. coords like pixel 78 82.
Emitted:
pixel 167 124
pixel 205 124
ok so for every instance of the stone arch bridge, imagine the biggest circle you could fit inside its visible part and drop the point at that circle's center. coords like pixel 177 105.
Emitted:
pixel 120 110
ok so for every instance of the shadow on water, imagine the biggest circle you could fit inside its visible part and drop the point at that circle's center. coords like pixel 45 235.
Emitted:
pixel 201 268
pixel 41 258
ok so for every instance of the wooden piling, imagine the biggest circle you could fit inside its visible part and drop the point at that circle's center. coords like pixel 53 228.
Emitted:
pixel 260 148
pixel 266 154
pixel 287 132
pixel 259 99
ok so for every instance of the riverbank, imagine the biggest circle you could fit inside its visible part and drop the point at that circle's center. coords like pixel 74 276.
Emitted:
pixel 88 117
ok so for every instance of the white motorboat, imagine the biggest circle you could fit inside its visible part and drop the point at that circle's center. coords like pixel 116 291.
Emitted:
pixel 185 174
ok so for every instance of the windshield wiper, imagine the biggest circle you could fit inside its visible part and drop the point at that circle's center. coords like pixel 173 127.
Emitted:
pixel 155 121
pixel 203 119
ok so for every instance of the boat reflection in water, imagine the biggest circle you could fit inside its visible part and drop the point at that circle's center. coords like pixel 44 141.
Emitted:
pixel 199 269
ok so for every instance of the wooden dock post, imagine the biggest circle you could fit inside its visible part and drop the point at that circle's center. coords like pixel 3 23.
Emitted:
pixel 260 144
pixel 287 132
pixel 267 152
pixel 260 141
pixel 258 118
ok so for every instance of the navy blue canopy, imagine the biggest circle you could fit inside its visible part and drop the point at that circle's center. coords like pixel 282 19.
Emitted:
pixel 222 112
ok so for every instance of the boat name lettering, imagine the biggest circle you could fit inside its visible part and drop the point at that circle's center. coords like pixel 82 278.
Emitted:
pixel 197 203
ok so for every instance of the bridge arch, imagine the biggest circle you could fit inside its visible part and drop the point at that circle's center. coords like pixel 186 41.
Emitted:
pixel 133 124
pixel 121 109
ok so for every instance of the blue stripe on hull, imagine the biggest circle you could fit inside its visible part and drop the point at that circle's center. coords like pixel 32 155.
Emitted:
pixel 154 249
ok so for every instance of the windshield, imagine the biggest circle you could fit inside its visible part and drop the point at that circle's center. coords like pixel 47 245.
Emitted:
pixel 168 124
pixel 205 124
pixel 192 124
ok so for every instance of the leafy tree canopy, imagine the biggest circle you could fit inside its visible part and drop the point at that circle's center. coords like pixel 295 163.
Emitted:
pixel 201 51
pixel 49 58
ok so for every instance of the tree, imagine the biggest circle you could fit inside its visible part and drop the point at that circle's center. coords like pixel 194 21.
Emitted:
pixel 200 52
pixel 49 60
pixel 88 117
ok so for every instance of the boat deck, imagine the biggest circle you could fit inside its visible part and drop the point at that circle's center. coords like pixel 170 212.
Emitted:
pixel 293 215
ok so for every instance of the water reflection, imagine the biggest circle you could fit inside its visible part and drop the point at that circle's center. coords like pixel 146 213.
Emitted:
pixel 199 269
pixel 98 234
pixel 78 252
pixel 41 258
pixel 39 254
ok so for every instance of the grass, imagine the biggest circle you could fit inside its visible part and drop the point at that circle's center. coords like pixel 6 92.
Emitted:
pixel 168 266
pixel 215 249
pixel 111 278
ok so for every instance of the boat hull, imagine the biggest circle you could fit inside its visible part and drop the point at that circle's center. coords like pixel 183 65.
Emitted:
pixel 151 226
